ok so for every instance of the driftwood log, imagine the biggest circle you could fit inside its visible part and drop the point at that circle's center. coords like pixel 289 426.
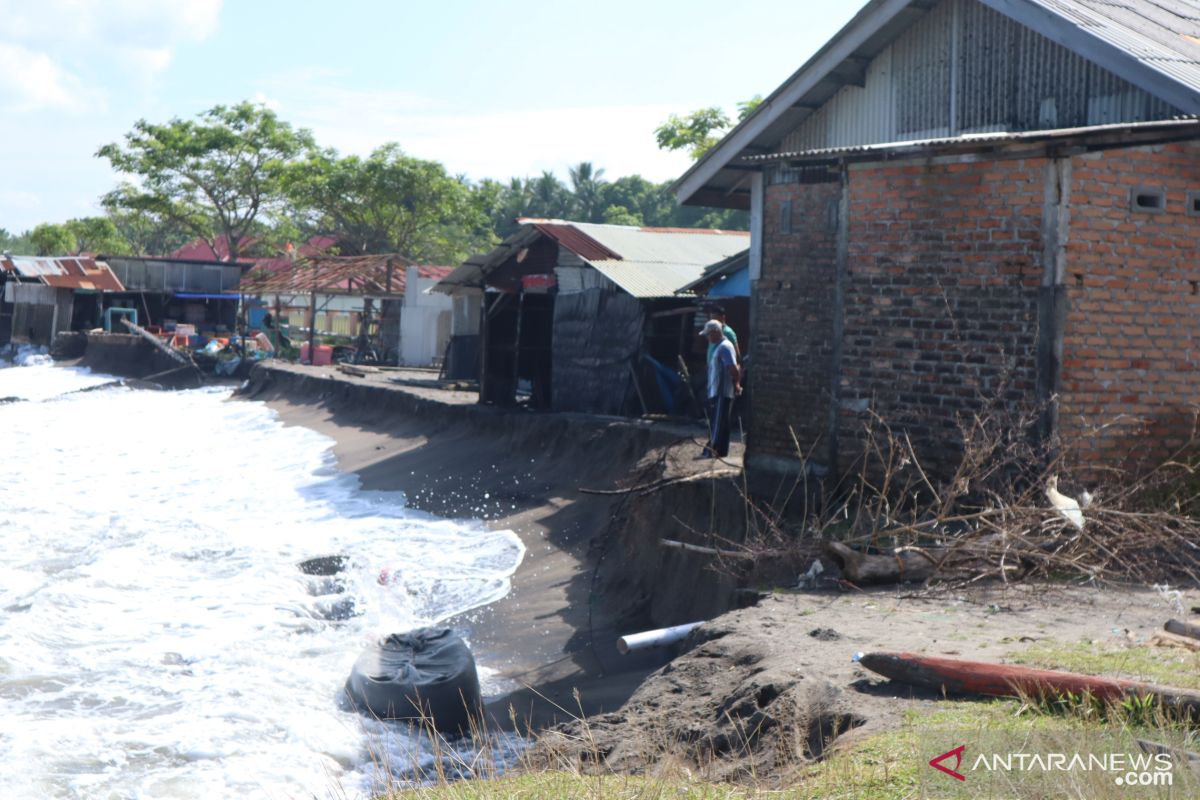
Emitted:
pixel 1165 639
pixel 1180 628
pixel 902 564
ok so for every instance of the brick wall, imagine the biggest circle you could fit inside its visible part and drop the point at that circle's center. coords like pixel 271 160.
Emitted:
pixel 941 303
pixel 792 351
pixel 941 297
pixel 1132 336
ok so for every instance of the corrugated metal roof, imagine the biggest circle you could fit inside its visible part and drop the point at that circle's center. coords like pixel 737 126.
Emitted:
pixel 575 240
pixel 645 262
pixel 66 272
pixel 735 263
pixel 922 146
pixel 689 250
pixel 1153 45
pixel 646 280
pixel 352 275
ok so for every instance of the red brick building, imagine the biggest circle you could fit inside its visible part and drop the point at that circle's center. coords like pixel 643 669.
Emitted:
pixel 961 201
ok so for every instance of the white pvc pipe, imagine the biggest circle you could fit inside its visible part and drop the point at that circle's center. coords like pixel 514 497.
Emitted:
pixel 659 638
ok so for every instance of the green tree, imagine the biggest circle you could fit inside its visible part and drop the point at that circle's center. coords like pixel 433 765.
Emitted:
pixel 748 107
pixel 52 240
pixel 213 177
pixel 696 132
pixel 587 186
pixel 97 235
pixel 700 130
pixel 549 198
pixel 620 215
pixel 145 233
pixel 388 202
pixel 16 243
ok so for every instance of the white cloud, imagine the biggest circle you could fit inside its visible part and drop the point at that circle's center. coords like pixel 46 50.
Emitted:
pixel 31 81
pixel 486 144
pixel 48 48
pixel 145 61
pixel 115 23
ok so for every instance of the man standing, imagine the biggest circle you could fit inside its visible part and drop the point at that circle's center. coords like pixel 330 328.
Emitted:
pixel 724 384
pixel 717 313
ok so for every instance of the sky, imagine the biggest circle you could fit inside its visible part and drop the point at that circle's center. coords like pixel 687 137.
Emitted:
pixel 493 89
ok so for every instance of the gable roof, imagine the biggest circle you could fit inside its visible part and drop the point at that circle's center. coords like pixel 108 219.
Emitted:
pixel 1152 44
pixel 644 262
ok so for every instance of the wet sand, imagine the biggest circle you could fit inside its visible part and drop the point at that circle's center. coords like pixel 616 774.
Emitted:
pixel 552 636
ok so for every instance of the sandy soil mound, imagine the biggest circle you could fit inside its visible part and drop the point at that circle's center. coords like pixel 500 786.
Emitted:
pixel 760 692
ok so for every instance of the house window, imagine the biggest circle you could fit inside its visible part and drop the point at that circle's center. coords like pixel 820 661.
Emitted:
pixel 1148 199
pixel 1193 204
pixel 785 217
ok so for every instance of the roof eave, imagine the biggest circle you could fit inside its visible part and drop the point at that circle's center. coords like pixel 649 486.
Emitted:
pixel 869 21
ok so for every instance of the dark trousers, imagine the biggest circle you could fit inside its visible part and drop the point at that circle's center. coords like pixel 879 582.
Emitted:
pixel 720 417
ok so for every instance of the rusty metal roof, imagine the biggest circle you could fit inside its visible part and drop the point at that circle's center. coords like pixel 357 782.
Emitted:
pixel 571 237
pixel 64 272
pixel 346 275
pixel 645 262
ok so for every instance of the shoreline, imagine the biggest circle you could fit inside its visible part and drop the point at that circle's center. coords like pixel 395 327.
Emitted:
pixel 552 635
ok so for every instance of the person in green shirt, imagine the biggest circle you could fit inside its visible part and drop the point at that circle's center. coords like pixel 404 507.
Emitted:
pixel 717 313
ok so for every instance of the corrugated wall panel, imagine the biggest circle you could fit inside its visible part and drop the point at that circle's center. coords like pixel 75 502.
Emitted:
pixel 862 115
pixel 989 70
pixel 921 60
pixel 1009 78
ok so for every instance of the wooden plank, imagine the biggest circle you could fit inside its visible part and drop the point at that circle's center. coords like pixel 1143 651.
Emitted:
pixel 154 340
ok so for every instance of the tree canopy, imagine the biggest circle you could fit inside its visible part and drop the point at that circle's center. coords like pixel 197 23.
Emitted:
pixel 387 202
pixel 213 177
pixel 245 182
pixel 700 130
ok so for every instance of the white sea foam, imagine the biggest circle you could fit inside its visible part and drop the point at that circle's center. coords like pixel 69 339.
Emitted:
pixel 156 637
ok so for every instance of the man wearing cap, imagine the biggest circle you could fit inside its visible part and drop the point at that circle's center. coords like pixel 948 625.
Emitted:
pixel 718 313
pixel 724 384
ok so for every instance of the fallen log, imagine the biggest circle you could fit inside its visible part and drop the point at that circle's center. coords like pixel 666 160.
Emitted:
pixel 956 676
pixel 357 370
pixel 1180 628
pixel 903 564
pixel 1166 639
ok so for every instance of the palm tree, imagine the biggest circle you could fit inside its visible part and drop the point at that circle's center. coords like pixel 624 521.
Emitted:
pixel 586 181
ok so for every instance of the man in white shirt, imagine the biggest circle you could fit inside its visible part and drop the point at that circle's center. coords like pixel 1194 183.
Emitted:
pixel 724 384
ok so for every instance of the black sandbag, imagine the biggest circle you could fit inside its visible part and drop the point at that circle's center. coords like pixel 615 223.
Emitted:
pixel 323 566
pixel 424 674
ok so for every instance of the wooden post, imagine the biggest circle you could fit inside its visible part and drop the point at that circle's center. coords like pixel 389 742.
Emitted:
pixel 516 370
pixel 312 319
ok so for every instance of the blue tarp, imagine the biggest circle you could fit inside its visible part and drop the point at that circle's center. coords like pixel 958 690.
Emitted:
pixel 668 382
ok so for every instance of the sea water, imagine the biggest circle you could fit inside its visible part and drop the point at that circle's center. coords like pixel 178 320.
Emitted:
pixel 156 636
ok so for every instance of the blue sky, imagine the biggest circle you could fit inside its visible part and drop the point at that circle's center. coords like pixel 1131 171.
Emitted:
pixel 490 89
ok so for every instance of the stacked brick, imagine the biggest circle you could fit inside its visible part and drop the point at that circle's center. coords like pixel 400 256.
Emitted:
pixel 1131 346
pixel 944 262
